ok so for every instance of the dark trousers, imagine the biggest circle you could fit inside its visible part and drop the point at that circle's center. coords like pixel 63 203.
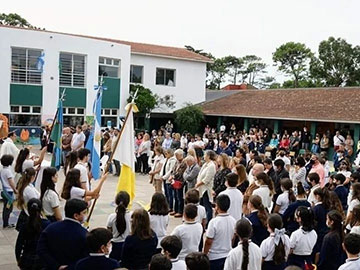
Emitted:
pixel 204 201
pixel 144 163
pixel 179 200
pixel 116 252
pixel 270 265
pixel 22 220
pixel 217 264
pixel 117 167
pixel 299 260
pixel 169 194
pixel 6 211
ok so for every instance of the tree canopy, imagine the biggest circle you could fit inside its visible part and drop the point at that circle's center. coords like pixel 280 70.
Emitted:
pixel 189 118
pixel 13 19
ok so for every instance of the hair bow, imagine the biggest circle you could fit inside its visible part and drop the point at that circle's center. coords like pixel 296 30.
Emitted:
pixel 279 235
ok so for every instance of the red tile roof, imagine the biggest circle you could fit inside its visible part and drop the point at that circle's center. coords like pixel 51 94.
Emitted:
pixel 140 48
pixel 312 104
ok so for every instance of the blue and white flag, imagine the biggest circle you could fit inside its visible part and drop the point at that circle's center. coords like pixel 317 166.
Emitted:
pixel 40 62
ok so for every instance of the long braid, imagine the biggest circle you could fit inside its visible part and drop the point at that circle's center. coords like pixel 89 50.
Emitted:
pixel 245 259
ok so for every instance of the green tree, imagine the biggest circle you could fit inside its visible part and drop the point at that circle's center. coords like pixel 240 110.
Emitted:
pixel 217 73
pixel 189 118
pixel 252 67
pixel 233 66
pixel 145 99
pixel 293 59
pixel 14 19
pixel 305 83
pixel 338 63
pixel 267 82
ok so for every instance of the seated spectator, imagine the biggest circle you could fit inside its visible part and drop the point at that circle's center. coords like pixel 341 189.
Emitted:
pixel 99 244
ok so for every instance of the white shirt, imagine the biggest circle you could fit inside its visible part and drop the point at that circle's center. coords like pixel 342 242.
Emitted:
pixel 30 192
pixel 199 144
pixel 77 193
pixel 49 202
pixel 338 140
pixel 236 202
pixel 183 142
pixel 283 201
pixel 190 234
pixel 352 204
pixel 28 163
pixel 268 247
pixel 6 174
pixel 285 159
pixel 111 223
pixel 235 258
pixel 303 242
pixel 158 224
pixel 145 148
pixel 206 175
pixel 84 177
pixel 311 198
pixel 221 229
pixel 264 192
pixel 355 229
pixel 178 264
pixel 351 264
pixel 78 139
pixel 201 214
pixel 9 148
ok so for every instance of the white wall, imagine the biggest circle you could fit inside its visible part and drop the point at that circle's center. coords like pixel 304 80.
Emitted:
pixel 52 44
pixel 190 77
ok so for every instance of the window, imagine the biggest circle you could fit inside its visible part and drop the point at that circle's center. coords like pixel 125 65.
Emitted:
pixel 24 66
pixel 109 117
pixel 109 67
pixel 165 77
pixel 136 74
pixel 73 116
pixel 72 70
pixel 25 116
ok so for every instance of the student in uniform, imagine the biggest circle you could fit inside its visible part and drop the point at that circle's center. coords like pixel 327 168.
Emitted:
pixel 25 248
pixel 49 197
pixel 355 225
pixel 119 224
pixel 314 180
pixel 258 218
pixel 320 210
pixel 303 240
pixel 72 187
pixel 171 246
pixel 354 200
pixel 83 167
pixel 265 190
pixel 351 246
pixel 26 191
pixel 286 197
pixel 160 262
pixel 288 216
pixel 331 253
pixel 275 249
pixel 189 232
pixel 247 255
pixel 197 261
pixel 8 189
pixel 99 244
pixel 235 196
pixel 159 216
pixel 219 233
pixel 340 190
pixel 24 161
pixel 141 244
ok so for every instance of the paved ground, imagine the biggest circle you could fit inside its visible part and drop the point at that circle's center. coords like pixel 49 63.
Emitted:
pixel 103 208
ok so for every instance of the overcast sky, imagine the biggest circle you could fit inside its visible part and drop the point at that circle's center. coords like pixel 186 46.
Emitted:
pixel 222 27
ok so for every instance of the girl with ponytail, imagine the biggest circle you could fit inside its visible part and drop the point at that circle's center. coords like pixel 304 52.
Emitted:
pixel 119 224
pixel 331 253
pixel 24 161
pixel 275 249
pixel 285 198
pixel 247 255
pixel 26 243
pixel 258 218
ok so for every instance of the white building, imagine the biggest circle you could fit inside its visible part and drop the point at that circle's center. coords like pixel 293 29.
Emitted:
pixel 29 90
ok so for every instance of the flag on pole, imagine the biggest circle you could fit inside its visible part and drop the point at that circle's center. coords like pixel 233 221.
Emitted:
pixel 55 136
pixel 125 154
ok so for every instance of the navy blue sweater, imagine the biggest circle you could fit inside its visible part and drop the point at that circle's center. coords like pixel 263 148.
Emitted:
pixel 259 231
pixel 288 217
pixel 342 192
pixel 62 243
pixel 97 262
pixel 331 254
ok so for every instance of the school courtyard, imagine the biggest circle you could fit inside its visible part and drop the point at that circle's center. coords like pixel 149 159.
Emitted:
pixel 103 208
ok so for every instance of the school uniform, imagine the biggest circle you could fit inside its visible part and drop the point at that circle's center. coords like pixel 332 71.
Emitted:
pixel 7 194
pixel 311 197
pixel 221 230
pixel 351 264
pixel 302 243
pixel 62 243
pixel 97 261
pixel 201 213
pixel 178 264
pixel 236 202
pixel 355 229
pixel 234 259
pixel 321 228
pixel 158 224
pixel 264 192
pixel 118 240
pixel 288 216
pixel 342 193
pixel 50 201
pixel 259 231
pixel 331 253
pixel 77 193
pixel 84 176
pixel 190 234
pixel 268 249
pixel 283 201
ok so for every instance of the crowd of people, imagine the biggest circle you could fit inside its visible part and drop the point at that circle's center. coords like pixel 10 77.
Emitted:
pixel 247 200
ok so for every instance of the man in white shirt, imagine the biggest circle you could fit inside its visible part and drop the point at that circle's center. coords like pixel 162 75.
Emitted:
pixel 220 233
pixel 78 139
pixel 235 195
pixel 171 246
pixel 338 139
pixel 82 166
pixel 8 147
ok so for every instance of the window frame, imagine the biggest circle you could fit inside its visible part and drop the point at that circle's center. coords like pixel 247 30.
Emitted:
pixel 165 70
pixel 142 74
pixel 113 65
pixel 72 70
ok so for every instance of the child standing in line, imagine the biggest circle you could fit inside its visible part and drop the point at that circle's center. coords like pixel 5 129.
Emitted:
pixel 235 195
pixel 275 249
pixel 189 232
pixel 258 218
pixel 303 240
pixel 351 246
pixel 355 226
pixel 220 233
pixel 171 246
pixel 285 198
pixel 119 224
pixel 159 216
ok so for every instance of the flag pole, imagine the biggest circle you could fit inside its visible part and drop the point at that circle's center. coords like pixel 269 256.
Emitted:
pixel 55 117
pixel 108 163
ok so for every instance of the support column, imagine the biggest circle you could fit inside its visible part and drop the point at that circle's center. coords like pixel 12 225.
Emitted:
pixel 276 126
pixel 219 122
pixel 313 129
pixel 356 137
pixel 246 124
